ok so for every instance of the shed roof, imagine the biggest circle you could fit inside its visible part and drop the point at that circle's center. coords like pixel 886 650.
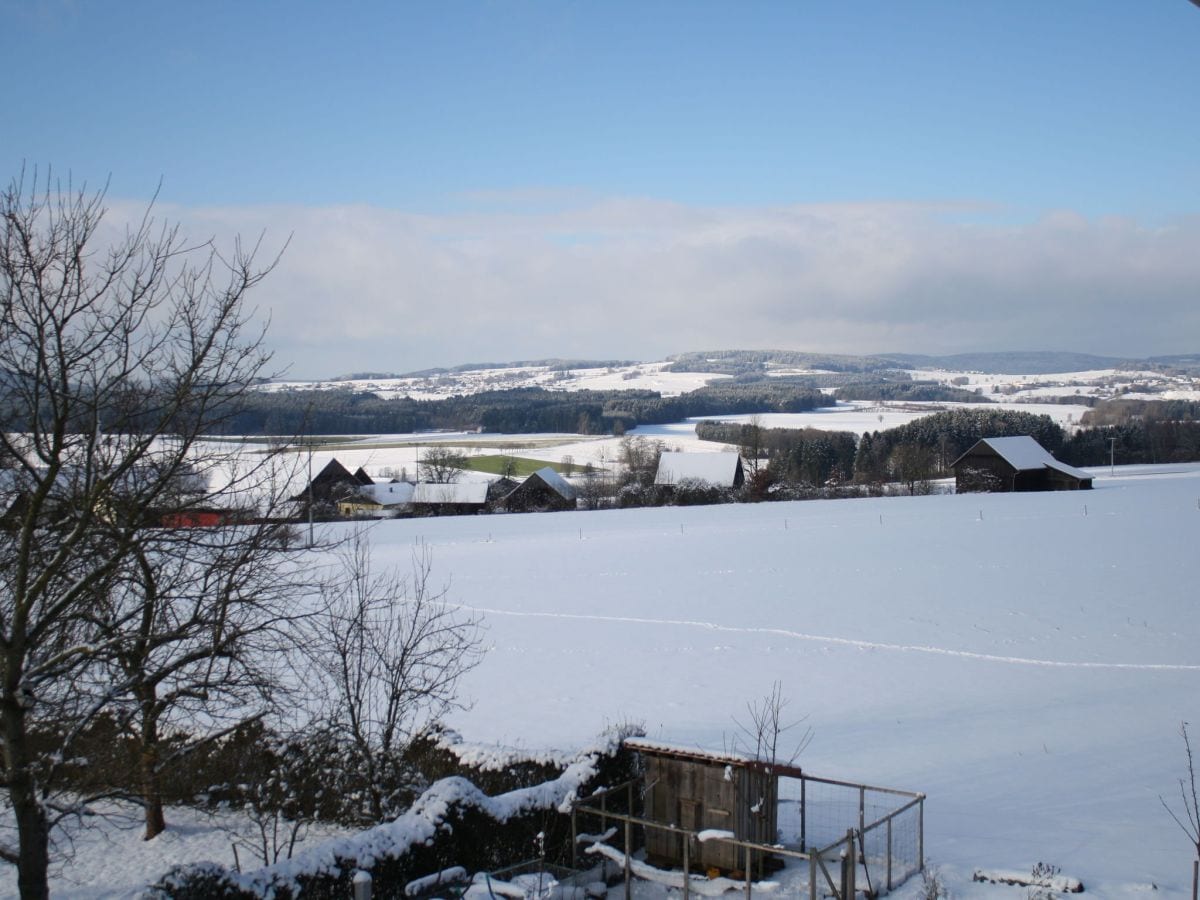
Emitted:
pixel 716 468
pixel 1025 454
pixel 455 492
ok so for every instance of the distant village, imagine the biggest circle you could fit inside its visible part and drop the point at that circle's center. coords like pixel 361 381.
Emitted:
pixel 1010 463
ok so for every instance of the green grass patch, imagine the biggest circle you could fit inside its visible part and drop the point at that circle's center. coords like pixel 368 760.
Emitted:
pixel 519 466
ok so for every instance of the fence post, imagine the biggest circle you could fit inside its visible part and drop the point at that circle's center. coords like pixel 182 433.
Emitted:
pixel 921 835
pixel 628 854
pixel 803 812
pixel 748 861
pixel 889 854
pixel 862 822
pixel 812 876
pixel 362 885
pixel 850 888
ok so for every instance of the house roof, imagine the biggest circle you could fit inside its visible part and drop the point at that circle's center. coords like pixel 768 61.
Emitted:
pixel 715 468
pixel 555 482
pixel 426 492
pixel 393 494
pixel 1024 454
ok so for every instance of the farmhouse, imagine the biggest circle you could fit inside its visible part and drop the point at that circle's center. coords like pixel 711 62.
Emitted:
pixel 542 491
pixel 1015 464
pixel 717 469
pixel 377 500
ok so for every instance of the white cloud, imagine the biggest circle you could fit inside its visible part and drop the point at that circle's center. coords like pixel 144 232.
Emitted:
pixel 366 288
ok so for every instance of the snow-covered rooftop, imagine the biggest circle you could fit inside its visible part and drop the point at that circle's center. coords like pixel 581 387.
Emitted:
pixel 715 468
pixel 1025 454
pixel 556 482
pixel 454 492
pixel 388 494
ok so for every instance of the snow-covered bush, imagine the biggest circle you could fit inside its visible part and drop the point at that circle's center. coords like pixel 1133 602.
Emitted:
pixel 453 823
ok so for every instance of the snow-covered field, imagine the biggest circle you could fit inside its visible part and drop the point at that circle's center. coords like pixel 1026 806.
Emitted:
pixel 1025 660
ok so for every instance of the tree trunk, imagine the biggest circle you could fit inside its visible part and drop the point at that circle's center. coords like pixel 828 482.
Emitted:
pixel 151 788
pixel 33 850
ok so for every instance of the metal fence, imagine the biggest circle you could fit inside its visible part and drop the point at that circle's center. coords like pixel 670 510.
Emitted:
pixel 837 837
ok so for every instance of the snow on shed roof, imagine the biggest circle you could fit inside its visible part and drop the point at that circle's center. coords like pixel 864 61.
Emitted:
pixel 556 482
pixel 1025 454
pixel 645 745
pixel 715 468
pixel 454 492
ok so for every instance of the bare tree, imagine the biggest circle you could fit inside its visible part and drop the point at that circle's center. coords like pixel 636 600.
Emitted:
pixel 765 726
pixel 200 621
pixel 116 359
pixel 442 465
pixel 1188 818
pixel 391 651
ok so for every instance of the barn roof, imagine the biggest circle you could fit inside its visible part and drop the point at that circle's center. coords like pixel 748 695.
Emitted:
pixel 1024 454
pixel 716 468
pixel 555 482
pixel 426 492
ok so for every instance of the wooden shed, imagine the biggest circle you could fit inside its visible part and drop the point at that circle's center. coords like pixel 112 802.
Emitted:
pixel 1015 464
pixel 698 791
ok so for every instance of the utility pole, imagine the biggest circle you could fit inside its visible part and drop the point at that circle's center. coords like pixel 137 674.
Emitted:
pixel 1112 456
pixel 310 495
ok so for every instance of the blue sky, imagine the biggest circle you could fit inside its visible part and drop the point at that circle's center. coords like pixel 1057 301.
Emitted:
pixel 513 179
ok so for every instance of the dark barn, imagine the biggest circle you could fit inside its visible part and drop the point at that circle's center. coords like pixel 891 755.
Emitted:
pixel 1015 464
pixel 542 491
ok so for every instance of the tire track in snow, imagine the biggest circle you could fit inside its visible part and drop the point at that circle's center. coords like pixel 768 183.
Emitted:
pixel 839 641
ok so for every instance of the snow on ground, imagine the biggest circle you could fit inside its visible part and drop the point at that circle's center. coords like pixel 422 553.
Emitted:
pixel 1024 659
pixel 857 416
pixel 1105 384
pixel 110 860
pixel 635 376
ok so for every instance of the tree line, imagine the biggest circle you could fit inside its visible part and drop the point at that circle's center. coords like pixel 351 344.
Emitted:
pixel 513 411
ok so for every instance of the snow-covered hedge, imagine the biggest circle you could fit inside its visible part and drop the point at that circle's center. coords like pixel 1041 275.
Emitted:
pixel 453 823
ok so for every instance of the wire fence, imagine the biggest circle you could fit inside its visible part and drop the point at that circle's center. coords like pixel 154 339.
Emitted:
pixel 838 837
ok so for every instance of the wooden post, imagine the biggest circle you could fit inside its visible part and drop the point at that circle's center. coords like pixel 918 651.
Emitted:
pixel 748 873
pixel 1195 877
pixel 628 854
pixel 687 839
pixel 812 875
pixel 603 809
pixel 850 888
